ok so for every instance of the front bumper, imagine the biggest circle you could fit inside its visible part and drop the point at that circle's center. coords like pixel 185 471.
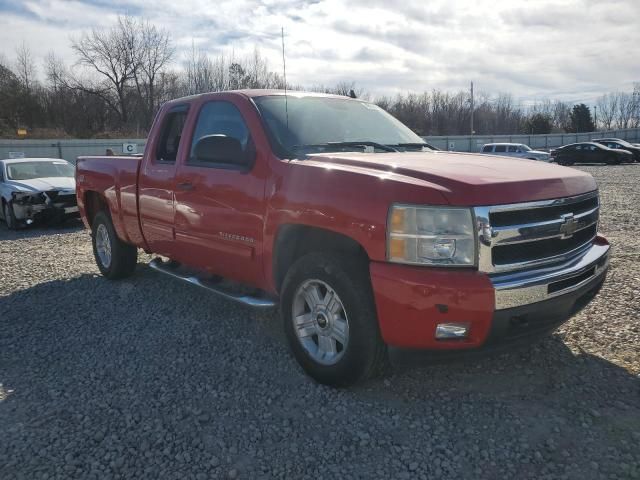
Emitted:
pixel 30 209
pixel 412 301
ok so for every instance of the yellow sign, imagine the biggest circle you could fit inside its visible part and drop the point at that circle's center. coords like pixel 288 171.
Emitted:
pixel 22 132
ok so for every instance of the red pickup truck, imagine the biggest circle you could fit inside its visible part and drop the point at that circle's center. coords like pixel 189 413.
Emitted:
pixel 362 234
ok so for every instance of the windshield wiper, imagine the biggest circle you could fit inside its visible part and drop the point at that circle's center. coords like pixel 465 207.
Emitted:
pixel 365 143
pixel 414 145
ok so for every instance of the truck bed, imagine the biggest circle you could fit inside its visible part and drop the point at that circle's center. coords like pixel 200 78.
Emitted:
pixel 115 178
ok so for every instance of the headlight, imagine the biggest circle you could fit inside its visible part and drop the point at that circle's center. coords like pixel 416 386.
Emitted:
pixel 431 236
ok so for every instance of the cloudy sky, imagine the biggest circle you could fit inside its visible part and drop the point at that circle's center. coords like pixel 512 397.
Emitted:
pixel 568 49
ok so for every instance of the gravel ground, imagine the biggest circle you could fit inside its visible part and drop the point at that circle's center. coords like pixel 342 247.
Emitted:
pixel 150 378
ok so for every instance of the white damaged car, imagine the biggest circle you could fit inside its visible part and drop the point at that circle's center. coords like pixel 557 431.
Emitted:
pixel 34 189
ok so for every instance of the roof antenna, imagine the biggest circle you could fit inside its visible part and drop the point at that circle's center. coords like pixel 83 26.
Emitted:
pixel 284 70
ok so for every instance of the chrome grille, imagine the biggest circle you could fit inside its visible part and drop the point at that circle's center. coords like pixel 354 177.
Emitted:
pixel 527 235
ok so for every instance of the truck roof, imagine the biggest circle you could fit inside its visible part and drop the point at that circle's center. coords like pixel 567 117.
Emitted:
pixel 260 92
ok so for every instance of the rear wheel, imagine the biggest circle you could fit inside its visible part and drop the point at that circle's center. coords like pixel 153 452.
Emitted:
pixel 9 216
pixel 330 319
pixel 115 258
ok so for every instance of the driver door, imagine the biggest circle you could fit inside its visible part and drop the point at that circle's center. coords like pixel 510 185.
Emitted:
pixel 220 207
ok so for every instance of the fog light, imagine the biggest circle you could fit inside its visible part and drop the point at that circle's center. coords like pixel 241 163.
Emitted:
pixel 448 331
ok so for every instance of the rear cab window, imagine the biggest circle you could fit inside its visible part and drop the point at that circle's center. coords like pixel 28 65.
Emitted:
pixel 487 148
pixel 171 134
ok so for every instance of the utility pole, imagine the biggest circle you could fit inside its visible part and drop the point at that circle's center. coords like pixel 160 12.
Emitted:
pixel 595 117
pixel 472 132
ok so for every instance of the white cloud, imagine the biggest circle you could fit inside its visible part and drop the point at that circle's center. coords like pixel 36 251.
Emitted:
pixel 573 49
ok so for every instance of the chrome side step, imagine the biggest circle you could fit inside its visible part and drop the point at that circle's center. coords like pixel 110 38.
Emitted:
pixel 262 302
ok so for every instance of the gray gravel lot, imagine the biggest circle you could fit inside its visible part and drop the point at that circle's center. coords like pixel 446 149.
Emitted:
pixel 150 378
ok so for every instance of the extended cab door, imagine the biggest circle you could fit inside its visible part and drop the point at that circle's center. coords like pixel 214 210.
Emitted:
pixel 220 205
pixel 156 182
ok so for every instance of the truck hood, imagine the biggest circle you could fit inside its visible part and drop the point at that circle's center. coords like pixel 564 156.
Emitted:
pixel 43 184
pixel 468 179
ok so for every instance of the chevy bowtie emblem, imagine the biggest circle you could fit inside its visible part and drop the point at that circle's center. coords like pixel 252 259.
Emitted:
pixel 568 226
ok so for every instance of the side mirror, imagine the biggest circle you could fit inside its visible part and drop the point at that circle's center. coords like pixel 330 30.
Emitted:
pixel 220 149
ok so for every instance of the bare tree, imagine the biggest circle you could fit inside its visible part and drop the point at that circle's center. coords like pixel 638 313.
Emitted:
pixel 114 54
pixel 154 53
pixel 626 110
pixel 25 67
pixel 607 109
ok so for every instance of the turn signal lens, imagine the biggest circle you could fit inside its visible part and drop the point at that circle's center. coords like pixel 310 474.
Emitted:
pixel 398 248
pixel 398 220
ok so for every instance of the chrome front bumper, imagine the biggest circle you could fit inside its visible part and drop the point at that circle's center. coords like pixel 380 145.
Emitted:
pixel 524 288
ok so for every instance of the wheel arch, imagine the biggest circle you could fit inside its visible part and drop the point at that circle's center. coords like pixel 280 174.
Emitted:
pixel 292 241
pixel 94 202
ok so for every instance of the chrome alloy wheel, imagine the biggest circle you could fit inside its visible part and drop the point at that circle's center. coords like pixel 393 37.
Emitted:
pixel 103 245
pixel 320 322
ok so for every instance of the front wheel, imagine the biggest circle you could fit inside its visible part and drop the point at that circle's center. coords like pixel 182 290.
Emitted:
pixel 9 216
pixel 115 258
pixel 330 319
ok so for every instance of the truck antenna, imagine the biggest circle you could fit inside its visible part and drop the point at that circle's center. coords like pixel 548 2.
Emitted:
pixel 284 71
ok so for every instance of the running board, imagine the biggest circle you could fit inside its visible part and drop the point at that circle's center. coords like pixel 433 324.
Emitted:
pixel 248 300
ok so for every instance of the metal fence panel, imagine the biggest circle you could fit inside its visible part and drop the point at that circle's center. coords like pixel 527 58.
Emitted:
pixel 469 143
pixel 71 149
pixel 67 149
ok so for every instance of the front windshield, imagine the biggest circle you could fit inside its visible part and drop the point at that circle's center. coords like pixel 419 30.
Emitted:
pixel 31 170
pixel 314 121
pixel 526 148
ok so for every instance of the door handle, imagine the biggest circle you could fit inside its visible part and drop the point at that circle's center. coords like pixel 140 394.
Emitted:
pixel 186 186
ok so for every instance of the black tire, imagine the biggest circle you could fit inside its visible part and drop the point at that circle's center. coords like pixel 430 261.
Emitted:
pixel 365 354
pixel 9 216
pixel 123 256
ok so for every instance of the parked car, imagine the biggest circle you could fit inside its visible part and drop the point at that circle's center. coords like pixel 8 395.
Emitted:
pixel 306 202
pixel 590 152
pixel 519 150
pixel 618 144
pixel 35 189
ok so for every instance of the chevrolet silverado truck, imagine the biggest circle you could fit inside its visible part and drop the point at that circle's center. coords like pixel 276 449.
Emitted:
pixel 332 210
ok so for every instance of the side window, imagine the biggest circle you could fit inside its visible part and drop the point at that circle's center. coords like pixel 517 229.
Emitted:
pixel 167 149
pixel 513 149
pixel 220 118
pixel 578 147
pixel 501 148
pixel 487 148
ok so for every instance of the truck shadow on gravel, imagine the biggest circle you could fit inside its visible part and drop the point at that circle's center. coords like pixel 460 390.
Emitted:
pixel 88 360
